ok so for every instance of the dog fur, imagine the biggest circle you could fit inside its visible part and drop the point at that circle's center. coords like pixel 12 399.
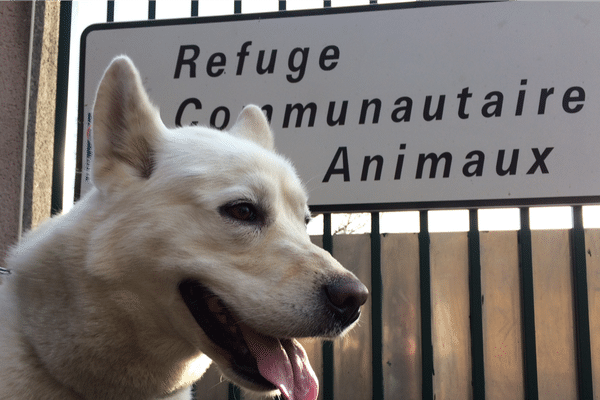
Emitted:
pixel 93 307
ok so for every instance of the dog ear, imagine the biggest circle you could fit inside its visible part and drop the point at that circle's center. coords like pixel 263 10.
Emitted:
pixel 126 127
pixel 252 124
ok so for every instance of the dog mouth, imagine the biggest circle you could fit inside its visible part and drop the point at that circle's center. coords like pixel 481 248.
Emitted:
pixel 265 363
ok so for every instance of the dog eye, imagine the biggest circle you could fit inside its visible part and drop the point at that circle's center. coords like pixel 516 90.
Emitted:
pixel 245 212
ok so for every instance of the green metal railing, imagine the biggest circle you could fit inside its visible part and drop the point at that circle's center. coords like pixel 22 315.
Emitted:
pixel 530 370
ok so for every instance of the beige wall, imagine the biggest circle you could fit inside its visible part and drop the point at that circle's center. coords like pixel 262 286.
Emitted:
pixel 15 20
pixel 26 114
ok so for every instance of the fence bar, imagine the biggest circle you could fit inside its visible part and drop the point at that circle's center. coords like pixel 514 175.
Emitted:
pixel 582 320
pixel 110 11
pixel 376 309
pixel 476 305
pixel 194 8
pixel 425 283
pixel 282 5
pixel 60 116
pixel 237 9
pixel 152 9
pixel 529 344
pixel 327 344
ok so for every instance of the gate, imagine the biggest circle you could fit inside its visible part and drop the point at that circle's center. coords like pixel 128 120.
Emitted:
pixel 464 315
pixel 467 315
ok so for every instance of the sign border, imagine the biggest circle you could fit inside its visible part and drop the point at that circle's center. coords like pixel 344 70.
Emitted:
pixel 318 208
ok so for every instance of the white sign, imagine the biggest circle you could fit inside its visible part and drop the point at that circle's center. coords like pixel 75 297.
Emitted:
pixel 388 107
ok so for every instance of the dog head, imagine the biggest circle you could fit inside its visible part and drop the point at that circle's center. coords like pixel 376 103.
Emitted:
pixel 210 228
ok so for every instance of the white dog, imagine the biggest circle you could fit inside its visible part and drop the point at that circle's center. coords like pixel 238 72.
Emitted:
pixel 192 247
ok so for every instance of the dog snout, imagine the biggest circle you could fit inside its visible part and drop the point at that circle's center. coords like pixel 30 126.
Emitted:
pixel 344 297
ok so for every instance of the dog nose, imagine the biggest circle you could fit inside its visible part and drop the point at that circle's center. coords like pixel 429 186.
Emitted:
pixel 345 296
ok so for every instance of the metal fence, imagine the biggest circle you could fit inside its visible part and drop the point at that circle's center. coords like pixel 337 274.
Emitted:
pixel 470 315
pixel 467 315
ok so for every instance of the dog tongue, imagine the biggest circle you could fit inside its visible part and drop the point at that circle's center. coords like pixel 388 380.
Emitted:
pixel 284 365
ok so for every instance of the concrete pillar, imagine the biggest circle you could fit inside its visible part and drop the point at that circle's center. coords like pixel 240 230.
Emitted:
pixel 28 54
